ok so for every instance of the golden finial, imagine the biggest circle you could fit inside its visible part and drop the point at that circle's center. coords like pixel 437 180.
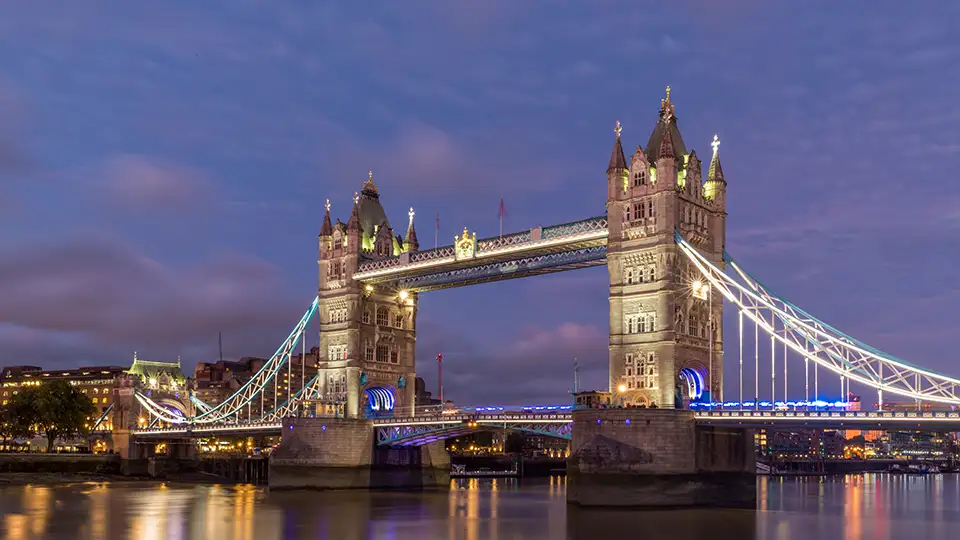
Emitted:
pixel 715 144
pixel 411 214
pixel 356 197
pixel 618 129
pixel 327 205
pixel 370 176
pixel 666 107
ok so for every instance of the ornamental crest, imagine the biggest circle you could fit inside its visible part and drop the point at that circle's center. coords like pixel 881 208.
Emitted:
pixel 465 246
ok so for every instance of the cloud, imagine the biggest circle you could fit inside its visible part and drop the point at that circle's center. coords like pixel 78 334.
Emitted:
pixel 96 293
pixel 141 182
pixel 421 155
pixel 535 365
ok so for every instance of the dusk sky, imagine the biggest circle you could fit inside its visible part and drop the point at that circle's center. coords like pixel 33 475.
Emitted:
pixel 163 166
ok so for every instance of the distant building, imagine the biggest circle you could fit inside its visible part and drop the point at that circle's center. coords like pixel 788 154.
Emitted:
pixel 801 444
pixel 422 397
pixel 592 399
pixel 97 382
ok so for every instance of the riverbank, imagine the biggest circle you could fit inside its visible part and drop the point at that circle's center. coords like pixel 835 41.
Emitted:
pixel 53 469
pixel 55 479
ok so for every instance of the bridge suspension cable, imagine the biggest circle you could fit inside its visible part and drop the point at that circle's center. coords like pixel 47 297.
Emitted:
pixel 816 341
pixel 259 384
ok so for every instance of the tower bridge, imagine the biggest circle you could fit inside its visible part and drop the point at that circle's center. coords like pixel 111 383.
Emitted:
pixel 662 237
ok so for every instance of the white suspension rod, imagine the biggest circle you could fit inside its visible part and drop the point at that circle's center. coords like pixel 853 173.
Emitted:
pixel 740 333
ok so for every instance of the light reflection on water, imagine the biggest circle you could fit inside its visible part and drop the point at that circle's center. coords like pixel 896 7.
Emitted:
pixel 865 507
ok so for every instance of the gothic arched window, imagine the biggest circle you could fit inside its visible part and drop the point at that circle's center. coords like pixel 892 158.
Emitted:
pixel 383 316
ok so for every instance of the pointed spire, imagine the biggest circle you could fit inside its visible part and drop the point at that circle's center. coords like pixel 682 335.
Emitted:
pixel 666 145
pixel 715 172
pixel 617 159
pixel 327 228
pixel 354 223
pixel 410 243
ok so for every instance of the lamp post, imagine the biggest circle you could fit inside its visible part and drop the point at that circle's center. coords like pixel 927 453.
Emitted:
pixel 703 291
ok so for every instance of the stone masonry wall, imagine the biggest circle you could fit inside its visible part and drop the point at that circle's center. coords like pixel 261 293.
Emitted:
pixel 662 440
pixel 326 442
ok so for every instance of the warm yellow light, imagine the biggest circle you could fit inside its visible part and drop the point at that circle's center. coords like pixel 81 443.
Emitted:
pixel 368 288
pixel 622 388
pixel 153 381
pixel 404 295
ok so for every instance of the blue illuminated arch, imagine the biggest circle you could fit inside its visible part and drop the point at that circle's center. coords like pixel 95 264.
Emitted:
pixel 694 381
pixel 379 399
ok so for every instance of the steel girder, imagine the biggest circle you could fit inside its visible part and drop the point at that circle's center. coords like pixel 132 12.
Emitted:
pixel 857 420
pixel 819 342
pixel 510 269
pixel 416 432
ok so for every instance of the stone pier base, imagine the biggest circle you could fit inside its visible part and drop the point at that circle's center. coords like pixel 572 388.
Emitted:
pixel 658 458
pixel 328 453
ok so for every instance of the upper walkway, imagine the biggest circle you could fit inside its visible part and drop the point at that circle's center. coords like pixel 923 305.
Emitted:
pixel 468 261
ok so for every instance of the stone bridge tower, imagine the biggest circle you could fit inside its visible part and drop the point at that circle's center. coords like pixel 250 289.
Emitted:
pixel 367 334
pixel 666 344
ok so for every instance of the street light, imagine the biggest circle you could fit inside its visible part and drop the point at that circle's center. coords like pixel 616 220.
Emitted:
pixel 701 290
pixel 622 388
pixel 404 295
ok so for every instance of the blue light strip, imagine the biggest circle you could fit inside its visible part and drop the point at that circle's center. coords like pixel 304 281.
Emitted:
pixel 820 404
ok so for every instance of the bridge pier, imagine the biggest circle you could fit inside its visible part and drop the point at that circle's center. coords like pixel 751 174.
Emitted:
pixel 658 458
pixel 340 453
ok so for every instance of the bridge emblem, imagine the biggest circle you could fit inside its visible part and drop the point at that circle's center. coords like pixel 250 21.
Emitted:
pixel 466 245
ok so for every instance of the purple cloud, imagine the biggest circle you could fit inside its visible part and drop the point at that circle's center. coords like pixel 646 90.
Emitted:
pixel 104 294
pixel 143 183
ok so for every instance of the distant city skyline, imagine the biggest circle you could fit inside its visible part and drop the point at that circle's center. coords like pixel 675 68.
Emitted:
pixel 163 169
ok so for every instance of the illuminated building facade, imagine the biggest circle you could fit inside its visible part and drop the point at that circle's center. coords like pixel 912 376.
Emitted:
pixel 97 382
pixel 665 324
pixel 367 334
pixel 800 444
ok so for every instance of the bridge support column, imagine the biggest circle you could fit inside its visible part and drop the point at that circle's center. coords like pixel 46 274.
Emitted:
pixel 340 453
pixel 656 458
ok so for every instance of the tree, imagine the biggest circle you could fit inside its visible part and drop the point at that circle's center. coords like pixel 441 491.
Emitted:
pixel 21 415
pixel 62 411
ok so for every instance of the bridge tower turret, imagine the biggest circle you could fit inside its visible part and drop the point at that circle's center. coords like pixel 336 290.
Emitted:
pixel 367 333
pixel 665 324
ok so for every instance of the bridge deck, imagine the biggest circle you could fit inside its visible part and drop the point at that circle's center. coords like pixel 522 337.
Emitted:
pixel 557 424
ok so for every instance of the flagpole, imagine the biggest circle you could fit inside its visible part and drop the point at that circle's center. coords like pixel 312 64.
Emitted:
pixel 501 217
pixel 436 233
pixel 576 376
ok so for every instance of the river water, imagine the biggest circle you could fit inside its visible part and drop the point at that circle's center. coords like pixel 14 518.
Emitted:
pixel 868 507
